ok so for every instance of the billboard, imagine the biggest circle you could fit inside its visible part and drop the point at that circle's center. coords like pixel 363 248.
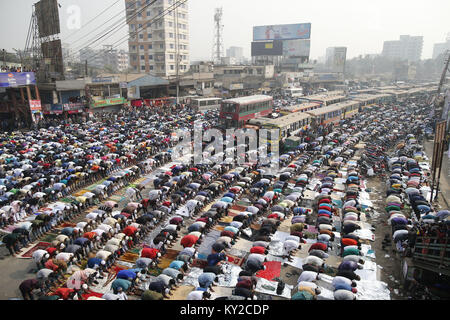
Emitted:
pixel 47 17
pixel 267 48
pixel 35 106
pixel 296 48
pixel 15 79
pixel 52 52
pixel 107 102
pixel 282 32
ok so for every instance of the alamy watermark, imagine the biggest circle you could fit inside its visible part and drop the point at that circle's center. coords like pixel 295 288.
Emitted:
pixel 240 146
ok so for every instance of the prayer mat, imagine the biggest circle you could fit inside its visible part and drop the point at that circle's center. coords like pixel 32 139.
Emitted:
pixel 129 257
pixel 255 226
pixel 199 263
pixel 237 253
pixel 221 292
pixel 238 261
pixel 68 225
pixel 191 278
pixel 181 292
pixel 155 271
pixel 38 246
pixel 273 270
pixel 243 245
pixel 230 275
pixel 125 265
pixel 219 228
pixel 80 193
pixel 168 258
pixel 238 208
pixel 270 287
pixel 92 294
pixel 227 219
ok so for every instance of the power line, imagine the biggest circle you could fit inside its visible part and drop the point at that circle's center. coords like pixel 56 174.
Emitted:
pixel 177 4
pixel 92 19
pixel 118 25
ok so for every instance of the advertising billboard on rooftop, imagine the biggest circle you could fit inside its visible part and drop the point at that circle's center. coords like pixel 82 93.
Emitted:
pixel 282 32
pixel 16 79
pixel 296 48
pixel 267 48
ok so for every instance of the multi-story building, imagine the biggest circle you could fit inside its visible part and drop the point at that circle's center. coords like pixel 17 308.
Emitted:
pixel 440 48
pixel 407 48
pixel 159 34
pixel 237 53
pixel 123 61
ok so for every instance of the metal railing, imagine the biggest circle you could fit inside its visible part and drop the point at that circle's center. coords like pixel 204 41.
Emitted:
pixel 432 250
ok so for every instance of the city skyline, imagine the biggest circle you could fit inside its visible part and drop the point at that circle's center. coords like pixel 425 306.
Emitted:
pixel 361 27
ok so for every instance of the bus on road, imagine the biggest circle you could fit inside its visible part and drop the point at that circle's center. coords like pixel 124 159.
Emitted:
pixel 234 113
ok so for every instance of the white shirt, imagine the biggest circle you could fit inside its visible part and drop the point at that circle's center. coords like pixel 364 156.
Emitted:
pixel 316 261
pixel 290 245
pixel 308 276
pixel 64 256
pixel 341 280
pixel 344 295
pixel 38 255
pixel 195 295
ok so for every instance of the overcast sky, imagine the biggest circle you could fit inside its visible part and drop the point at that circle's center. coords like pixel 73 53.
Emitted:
pixel 360 25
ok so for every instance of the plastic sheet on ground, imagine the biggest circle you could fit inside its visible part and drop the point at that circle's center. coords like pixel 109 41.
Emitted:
pixel 366 250
pixel 280 236
pixel 230 275
pixel 191 279
pixel 365 234
pixel 369 272
pixel 276 248
pixel 270 288
pixel 372 290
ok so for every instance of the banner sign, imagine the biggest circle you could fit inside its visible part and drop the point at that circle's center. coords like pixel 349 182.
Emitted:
pixel 15 79
pixel 282 32
pixel 35 106
pixel 108 102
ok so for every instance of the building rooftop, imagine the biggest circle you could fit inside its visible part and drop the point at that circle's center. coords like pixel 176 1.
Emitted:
pixel 249 99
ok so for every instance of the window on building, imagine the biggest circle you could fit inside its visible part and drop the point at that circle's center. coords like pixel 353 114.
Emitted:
pixel 161 46
pixel 170 35
pixel 151 67
pixel 149 36
pixel 171 46
pixel 172 67
pixel 143 68
pixel 148 13
pixel 141 36
pixel 150 46
pixel 171 57
pixel 140 26
pixel 141 47
pixel 170 24
pixel 142 57
pixel 150 57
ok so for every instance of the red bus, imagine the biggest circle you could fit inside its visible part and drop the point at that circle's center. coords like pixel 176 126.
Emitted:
pixel 234 113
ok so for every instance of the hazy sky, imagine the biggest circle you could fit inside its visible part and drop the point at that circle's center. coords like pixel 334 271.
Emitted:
pixel 360 25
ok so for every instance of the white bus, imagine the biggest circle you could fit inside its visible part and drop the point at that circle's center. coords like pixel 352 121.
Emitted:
pixel 203 104
pixel 293 92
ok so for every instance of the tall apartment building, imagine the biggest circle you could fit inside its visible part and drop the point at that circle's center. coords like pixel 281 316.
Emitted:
pixel 440 48
pixel 407 48
pixel 158 34
pixel 123 61
pixel 237 53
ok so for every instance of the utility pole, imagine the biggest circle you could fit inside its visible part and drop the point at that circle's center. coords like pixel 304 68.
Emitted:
pixel 177 54
pixel 86 68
